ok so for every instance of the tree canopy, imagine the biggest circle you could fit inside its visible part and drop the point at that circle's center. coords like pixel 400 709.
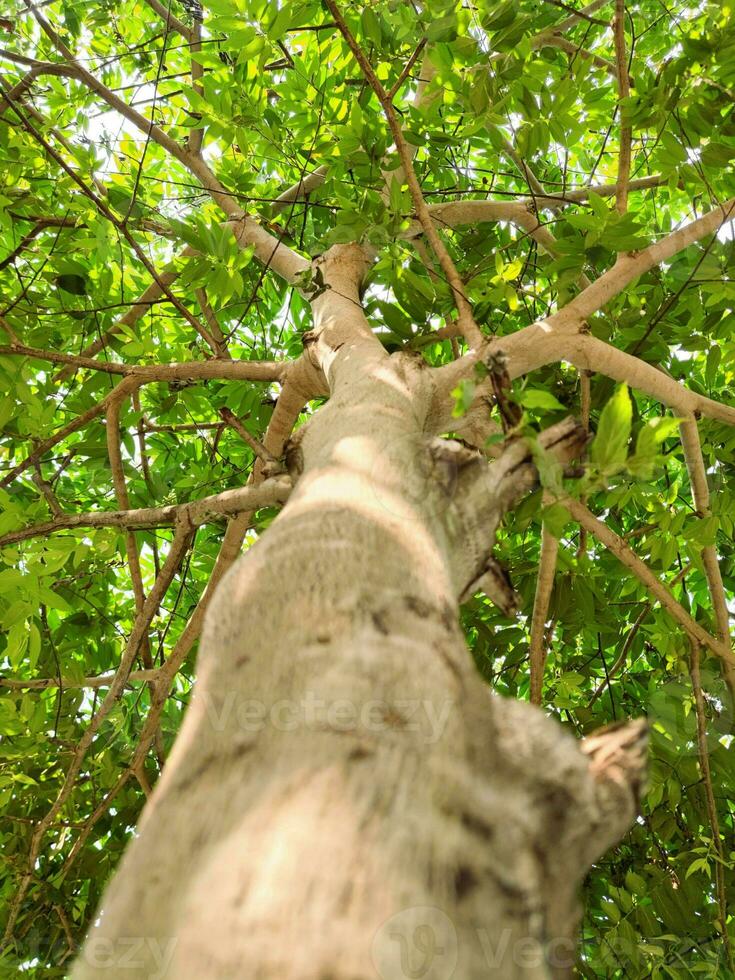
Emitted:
pixel 168 172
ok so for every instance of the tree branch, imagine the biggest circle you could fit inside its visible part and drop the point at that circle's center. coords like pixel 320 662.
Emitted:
pixel 589 353
pixel 564 44
pixel 466 320
pixel 689 434
pixel 228 503
pixel 178 546
pixel 642 572
pixel 626 131
pixel 406 69
pixel 558 337
pixel 709 795
pixel 144 374
pixel 305 186
pixel 100 680
pixel 542 598
pixel 632 266
pixel 170 20
pixel 55 357
pixel 576 15
pixel 257 447
pixel 120 225
pixel 469 212
pixel 539 344
pixel 268 249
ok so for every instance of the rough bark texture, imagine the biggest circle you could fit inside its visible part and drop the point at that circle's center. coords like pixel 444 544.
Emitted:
pixel 346 799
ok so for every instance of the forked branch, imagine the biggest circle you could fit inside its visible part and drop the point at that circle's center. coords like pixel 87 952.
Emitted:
pixel 466 319
pixel 625 554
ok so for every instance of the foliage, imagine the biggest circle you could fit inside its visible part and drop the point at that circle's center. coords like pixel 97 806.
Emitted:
pixel 276 94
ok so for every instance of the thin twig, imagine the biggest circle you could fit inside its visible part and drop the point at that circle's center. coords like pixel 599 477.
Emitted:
pixel 257 447
pixel 469 328
pixel 406 69
pixel 620 662
pixel 643 573
pixel 100 680
pixel 48 492
pixel 689 434
pixel 704 767
pixel 579 14
pixel 145 374
pixel 120 225
pixel 170 20
pixel 178 546
pixel 196 135
pixel 228 503
pixel 212 322
pixel 544 586
pixel 585 403
pixel 626 131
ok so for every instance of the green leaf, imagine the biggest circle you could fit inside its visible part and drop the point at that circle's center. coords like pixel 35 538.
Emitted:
pixel 371 26
pixel 539 399
pixel 701 864
pixel 648 444
pixel 17 639
pixel 610 446
pixel 503 15
pixel 72 283
pixel 397 320
pixel 443 28
pixel 463 395
pixel 713 364
pixel 556 517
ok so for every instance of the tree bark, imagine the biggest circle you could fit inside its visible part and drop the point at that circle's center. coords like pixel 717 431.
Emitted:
pixel 346 799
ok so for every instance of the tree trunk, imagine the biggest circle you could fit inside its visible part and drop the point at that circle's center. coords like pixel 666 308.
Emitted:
pixel 346 800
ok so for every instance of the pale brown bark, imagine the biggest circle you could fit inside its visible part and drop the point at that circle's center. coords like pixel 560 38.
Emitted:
pixel 344 782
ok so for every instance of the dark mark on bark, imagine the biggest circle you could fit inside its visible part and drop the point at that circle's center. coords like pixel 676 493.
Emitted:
pixel 448 617
pixel 294 458
pixel 418 606
pixel 446 657
pixel 465 881
pixel 216 760
pixel 476 825
pixel 378 618
pixel 393 718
